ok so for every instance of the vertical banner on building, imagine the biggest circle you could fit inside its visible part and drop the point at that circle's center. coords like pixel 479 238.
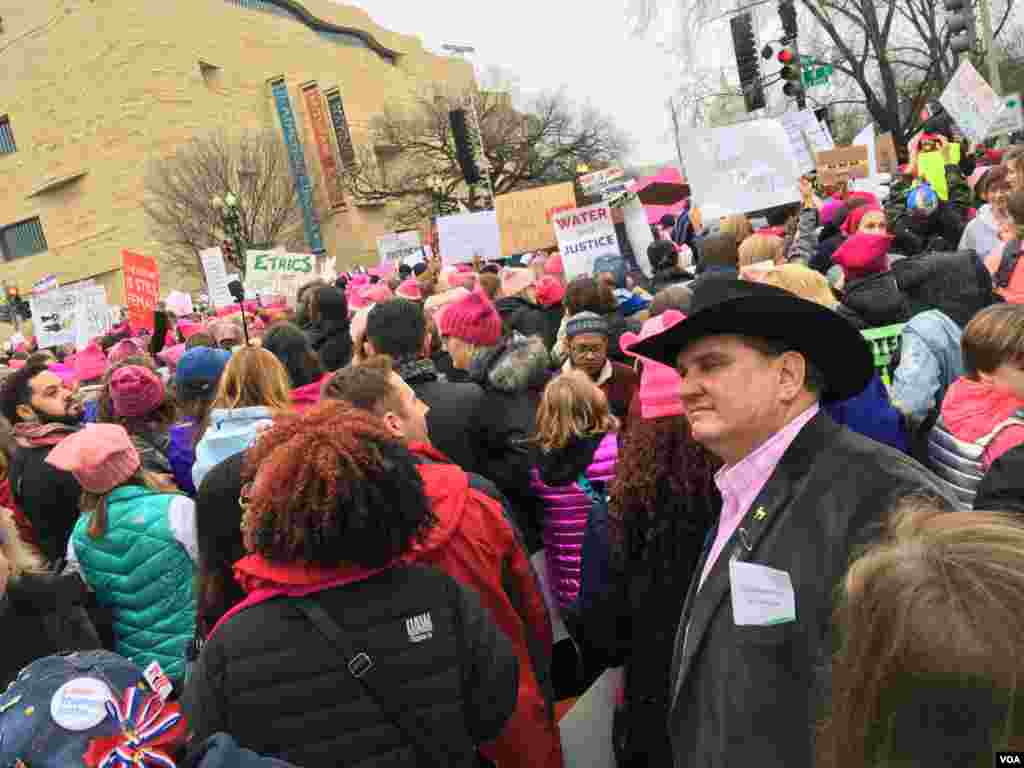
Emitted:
pixel 328 164
pixel 298 164
pixel 340 123
pixel 141 288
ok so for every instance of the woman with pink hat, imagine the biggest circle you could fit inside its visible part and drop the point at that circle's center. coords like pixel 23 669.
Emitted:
pixel 134 397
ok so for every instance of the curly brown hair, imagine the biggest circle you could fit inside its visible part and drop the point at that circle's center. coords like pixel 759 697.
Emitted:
pixel 587 294
pixel 332 486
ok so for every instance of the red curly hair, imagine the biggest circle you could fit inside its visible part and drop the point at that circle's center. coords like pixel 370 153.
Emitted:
pixel 332 486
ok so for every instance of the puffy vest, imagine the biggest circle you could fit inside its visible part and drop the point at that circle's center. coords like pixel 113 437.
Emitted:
pixel 958 463
pixel 566 509
pixel 144 575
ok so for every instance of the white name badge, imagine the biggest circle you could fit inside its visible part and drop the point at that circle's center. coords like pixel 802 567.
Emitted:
pixel 761 596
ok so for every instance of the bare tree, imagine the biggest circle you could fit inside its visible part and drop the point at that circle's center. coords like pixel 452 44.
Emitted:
pixel 408 156
pixel 180 188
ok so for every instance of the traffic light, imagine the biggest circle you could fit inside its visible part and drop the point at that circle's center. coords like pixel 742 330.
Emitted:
pixel 464 152
pixel 787 15
pixel 790 72
pixel 744 44
pixel 962 32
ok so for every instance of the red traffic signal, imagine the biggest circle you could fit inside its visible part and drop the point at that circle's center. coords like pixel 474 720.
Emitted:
pixel 786 56
pixel 12 292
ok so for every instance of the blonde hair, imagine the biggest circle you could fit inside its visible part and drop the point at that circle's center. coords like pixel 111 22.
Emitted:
pixel 573 406
pixel 96 503
pixel 805 282
pixel 20 555
pixel 737 225
pixel 758 248
pixel 931 624
pixel 252 377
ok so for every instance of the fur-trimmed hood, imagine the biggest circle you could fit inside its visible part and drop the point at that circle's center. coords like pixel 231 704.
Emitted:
pixel 516 365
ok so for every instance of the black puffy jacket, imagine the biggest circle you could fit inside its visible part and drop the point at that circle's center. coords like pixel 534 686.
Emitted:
pixel 954 282
pixel 271 680
pixel 877 300
pixel 518 314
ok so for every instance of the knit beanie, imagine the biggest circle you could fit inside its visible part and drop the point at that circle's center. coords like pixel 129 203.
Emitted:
pixel 586 322
pixel 90 363
pixel 553 266
pixel 377 293
pixel 852 222
pixel 410 289
pixel 514 280
pixel 188 330
pixel 171 355
pixel 863 255
pixel 199 370
pixel 439 301
pixel 121 350
pixel 473 320
pixel 550 291
pixel 357 299
pixel 135 391
pixel 100 456
pixel 660 384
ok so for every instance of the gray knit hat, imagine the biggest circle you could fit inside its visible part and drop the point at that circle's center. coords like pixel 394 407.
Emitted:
pixel 586 322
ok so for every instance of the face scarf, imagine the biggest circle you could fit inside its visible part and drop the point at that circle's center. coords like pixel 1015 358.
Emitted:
pixel 30 434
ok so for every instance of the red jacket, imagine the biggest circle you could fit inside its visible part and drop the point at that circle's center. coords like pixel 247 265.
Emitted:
pixel 474 543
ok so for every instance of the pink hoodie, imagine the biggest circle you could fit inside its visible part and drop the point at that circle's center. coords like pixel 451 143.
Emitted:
pixel 863 255
pixel 972 410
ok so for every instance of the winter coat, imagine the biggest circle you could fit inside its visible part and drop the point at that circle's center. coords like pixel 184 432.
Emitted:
pixel 181 453
pixel 521 316
pixel 871 414
pixel 331 338
pixel 664 278
pixel 1013 292
pixel 829 241
pixel 1002 489
pixel 616 327
pixel 513 376
pixel 268 677
pixel 954 282
pixel 153 444
pixel 222 751
pixel 139 569
pixel 753 695
pixel 453 420
pixel 231 431
pixel 552 323
pixel 981 234
pixel 972 409
pixel 49 498
pixel 930 361
pixel 305 397
pixel 567 506
pixel 474 543
pixel 876 300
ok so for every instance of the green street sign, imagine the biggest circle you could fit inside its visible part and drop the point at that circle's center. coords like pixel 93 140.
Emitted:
pixel 818 75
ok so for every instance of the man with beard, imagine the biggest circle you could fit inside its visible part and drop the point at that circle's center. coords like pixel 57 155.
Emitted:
pixel 43 411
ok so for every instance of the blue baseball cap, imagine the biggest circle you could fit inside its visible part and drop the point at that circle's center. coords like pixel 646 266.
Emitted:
pixel 199 369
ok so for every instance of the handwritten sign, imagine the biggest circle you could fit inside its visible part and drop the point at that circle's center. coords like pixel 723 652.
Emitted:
pixel 465 236
pixel 971 102
pixel 586 239
pixel 276 273
pixel 839 165
pixel 1010 118
pixel 141 288
pixel 216 277
pixel 92 314
pixel 524 218
pixel 53 317
pixel 396 246
pixel 885 154
pixel 742 168
pixel 806 137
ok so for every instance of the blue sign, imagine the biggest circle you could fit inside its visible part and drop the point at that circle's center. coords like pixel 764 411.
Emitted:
pixel 297 160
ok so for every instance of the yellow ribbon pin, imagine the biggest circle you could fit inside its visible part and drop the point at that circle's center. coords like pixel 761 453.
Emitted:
pixel 760 514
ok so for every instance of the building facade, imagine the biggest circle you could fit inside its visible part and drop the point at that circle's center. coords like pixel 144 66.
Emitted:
pixel 92 91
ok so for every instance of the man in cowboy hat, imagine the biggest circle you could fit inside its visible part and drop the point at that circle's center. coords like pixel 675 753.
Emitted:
pixel 798 495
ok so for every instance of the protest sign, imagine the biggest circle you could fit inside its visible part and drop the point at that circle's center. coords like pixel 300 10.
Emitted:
pixel 524 218
pixel 395 246
pixel 276 273
pixel 53 316
pixel 216 277
pixel 639 233
pixel 839 165
pixel 586 236
pixel 596 183
pixel 741 168
pixel 931 166
pixel 866 138
pixel 971 102
pixel 464 236
pixel 92 316
pixel 806 137
pixel 1010 119
pixel 141 288
pixel 885 154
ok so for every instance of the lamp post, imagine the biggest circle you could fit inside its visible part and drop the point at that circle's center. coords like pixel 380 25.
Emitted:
pixel 485 165
pixel 231 221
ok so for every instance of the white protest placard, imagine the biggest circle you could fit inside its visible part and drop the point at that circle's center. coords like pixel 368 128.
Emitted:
pixel 866 138
pixel 92 315
pixel 597 183
pixel 1010 118
pixel 276 273
pixel 466 235
pixel 634 218
pixel 742 168
pixel 216 277
pixel 806 136
pixel 971 102
pixel 396 246
pixel 586 238
pixel 53 317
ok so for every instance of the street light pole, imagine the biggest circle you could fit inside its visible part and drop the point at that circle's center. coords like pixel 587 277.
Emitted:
pixel 485 166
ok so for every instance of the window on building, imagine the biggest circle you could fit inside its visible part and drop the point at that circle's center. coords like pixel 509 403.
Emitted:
pixel 7 145
pixel 22 239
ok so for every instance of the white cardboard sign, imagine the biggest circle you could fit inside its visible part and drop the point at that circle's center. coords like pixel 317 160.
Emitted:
pixel 585 236
pixel 971 102
pixel 216 277
pixel 807 137
pixel 464 236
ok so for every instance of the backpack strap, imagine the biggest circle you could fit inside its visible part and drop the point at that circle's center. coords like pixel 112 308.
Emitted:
pixel 1007 264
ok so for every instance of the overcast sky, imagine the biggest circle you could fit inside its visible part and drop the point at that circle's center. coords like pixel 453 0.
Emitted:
pixel 582 44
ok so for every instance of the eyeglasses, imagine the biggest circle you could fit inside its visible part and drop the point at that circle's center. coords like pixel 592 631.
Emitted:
pixel 578 351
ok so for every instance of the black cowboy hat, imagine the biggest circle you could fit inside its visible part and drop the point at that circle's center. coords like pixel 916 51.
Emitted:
pixel 730 306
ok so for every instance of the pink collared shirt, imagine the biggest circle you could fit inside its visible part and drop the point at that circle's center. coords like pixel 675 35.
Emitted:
pixel 741 483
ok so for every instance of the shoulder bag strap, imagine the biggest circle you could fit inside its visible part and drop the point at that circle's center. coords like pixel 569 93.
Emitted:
pixel 1007 263
pixel 359 665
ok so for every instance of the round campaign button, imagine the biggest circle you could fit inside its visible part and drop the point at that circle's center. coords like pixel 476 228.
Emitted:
pixel 79 704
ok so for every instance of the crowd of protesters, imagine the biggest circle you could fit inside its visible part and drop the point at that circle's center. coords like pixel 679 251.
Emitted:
pixel 407 520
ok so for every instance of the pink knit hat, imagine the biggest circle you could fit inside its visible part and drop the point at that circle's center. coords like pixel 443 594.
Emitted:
pixel 439 301
pixel 101 457
pixel 553 266
pixel 356 299
pixel 171 355
pixel 409 289
pixel 473 319
pixel 516 279
pixel 550 291
pixel 121 350
pixel 378 293
pixel 660 384
pixel 66 374
pixel 223 330
pixel 188 330
pixel 135 391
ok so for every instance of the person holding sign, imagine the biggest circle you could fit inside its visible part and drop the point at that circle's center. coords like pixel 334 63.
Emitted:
pixel 799 494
